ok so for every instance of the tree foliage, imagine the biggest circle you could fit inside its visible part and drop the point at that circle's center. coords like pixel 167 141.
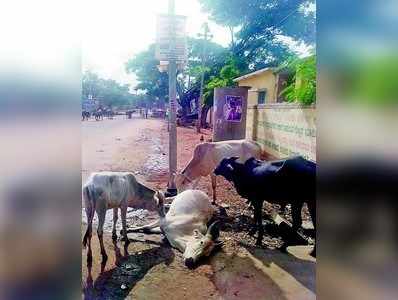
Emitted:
pixel 154 83
pixel 260 24
pixel 301 86
pixel 215 58
pixel 256 27
pixel 150 80
pixel 223 79
pixel 110 92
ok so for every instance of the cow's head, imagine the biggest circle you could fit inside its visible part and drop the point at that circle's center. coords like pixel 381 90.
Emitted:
pixel 201 245
pixel 184 182
pixel 199 165
pixel 226 168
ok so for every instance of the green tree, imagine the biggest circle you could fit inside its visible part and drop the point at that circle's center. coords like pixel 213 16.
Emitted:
pixel 259 25
pixel 301 85
pixel 110 92
pixel 224 78
pixel 91 85
pixel 154 83
pixel 215 58
pixel 150 80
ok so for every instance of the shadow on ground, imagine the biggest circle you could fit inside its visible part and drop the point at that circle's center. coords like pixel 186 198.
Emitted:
pixel 236 277
pixel 117 282
pixel 298 263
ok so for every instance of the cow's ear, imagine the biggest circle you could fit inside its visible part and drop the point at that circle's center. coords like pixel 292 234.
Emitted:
pixel 160 199
pixel 213 231
pixel 160 196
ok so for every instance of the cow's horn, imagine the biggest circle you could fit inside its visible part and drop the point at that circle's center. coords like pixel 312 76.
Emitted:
pixel 214 230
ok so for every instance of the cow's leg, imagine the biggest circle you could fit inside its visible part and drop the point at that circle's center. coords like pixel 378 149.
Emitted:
pixel 101 212
pixel 90 210
pixel 312 208
pixel 258 217
pixel 89 230
pixel 115 216
pixel 123 214
pixel 88 234
pixel 296 214
pixel 214 186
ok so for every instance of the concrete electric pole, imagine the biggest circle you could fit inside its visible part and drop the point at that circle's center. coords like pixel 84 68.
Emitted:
pixel 172 68
pixel 206 35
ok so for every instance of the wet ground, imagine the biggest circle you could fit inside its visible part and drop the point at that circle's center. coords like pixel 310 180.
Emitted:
pixel 149 268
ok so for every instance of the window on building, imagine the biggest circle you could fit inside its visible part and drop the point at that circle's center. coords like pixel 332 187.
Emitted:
pixel 262 97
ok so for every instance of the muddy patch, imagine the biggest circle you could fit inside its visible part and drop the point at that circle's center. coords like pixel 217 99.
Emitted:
pixel 135 217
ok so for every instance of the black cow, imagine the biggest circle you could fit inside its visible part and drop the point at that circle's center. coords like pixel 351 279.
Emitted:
pixel 291 180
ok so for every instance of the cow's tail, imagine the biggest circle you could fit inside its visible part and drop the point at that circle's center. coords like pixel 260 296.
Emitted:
pixel 145 227
pixel 90 210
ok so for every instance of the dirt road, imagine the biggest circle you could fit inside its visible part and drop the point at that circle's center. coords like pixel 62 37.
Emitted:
pixel 149 268
pixel 124 145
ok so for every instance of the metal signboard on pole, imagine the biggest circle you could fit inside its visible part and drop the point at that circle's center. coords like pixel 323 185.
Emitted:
pixel 171 50
pixel 171 42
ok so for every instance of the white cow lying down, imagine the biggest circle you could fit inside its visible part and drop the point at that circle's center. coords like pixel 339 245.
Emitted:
pixel 185 225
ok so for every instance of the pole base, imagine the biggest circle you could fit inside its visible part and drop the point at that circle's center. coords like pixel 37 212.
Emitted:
pixel 170 192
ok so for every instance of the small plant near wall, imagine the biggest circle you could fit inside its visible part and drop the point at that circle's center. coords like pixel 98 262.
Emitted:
pixel 301 85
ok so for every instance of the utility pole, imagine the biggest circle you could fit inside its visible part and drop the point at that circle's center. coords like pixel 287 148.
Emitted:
pixel 206 35
pixel 172 68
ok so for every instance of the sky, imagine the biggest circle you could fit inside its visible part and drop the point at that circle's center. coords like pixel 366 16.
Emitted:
pixel 118 29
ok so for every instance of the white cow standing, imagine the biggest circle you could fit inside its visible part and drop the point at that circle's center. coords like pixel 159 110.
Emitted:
pixel 106 190
pixel 185 227
pixel 207 156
